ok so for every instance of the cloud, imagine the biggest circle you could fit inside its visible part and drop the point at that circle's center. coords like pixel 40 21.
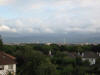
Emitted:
pixel 4 28
pixel 55 16
pixel 48 30
pixel 56 25
pixel 6 2
pixel 88 3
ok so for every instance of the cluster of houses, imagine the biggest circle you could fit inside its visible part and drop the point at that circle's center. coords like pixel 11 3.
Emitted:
pixel 7 64
pixel 89 56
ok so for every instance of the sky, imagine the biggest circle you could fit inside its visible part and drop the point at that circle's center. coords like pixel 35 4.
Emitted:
pixel 74 18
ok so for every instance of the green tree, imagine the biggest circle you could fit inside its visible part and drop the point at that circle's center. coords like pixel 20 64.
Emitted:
pixel 1 43
pixel 9 73
pixel 32 60
pixel 80 49
pixel 68 70
pixel 46 69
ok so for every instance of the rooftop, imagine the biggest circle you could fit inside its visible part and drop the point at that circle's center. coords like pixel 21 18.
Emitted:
pixel 6 59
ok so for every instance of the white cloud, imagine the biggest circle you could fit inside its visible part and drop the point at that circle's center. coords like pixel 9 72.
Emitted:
pixel 48 30
pixel 4 28
pixel 89 3
pixel 6 2
pixel 56 25
pixel 32 30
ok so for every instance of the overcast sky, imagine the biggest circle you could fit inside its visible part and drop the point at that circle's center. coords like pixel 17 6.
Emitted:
pixel 49 17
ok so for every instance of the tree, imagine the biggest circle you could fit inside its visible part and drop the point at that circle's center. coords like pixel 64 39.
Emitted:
pixel 1 43
pixel 78 61
pixel 33 60
pixel 46 69
pixel 80 49
pixel 10 73
pixel 68 70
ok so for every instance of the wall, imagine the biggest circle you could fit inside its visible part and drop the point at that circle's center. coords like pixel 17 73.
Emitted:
pixel 3 72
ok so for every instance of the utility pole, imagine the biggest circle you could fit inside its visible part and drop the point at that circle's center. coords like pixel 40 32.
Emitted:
pixel 64 41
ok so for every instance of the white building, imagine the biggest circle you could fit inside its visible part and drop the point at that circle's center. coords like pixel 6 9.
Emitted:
pixel 50 53
pixel 7 64
pixel 48 44
pixel 90 56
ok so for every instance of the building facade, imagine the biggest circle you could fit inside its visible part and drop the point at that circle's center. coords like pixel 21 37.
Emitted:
pixel 7 64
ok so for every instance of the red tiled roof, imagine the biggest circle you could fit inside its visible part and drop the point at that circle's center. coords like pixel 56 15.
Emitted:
pixel 90 55
pixel 6 59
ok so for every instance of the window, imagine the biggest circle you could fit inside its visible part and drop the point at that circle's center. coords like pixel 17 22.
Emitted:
pixel 1 67
pixel 10 66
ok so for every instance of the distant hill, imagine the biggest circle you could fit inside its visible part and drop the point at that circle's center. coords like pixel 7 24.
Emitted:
pixel 69 38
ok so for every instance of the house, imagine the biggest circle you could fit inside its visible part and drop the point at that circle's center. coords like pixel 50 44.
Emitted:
pixel 98 53
pixel 7 64
pixel 90 56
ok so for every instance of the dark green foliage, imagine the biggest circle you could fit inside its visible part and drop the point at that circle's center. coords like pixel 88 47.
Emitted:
pixel 34 59
pixel 10 73
pixel 68 70
pixel 46 69
pixel 1 43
